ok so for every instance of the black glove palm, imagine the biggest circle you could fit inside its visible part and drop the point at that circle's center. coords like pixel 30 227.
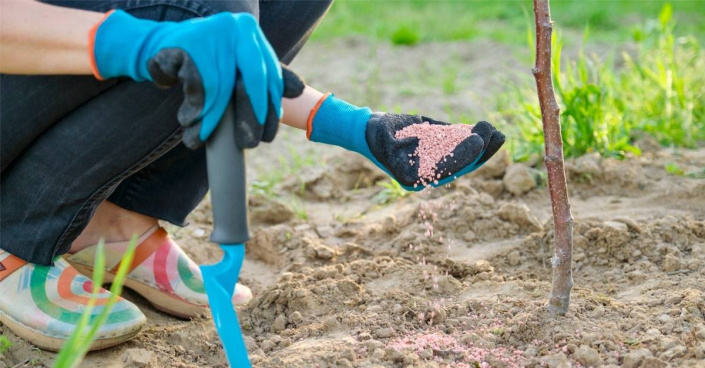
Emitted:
pixel 401 143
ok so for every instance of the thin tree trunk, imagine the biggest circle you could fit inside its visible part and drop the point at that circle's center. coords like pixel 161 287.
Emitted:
pixel 557 187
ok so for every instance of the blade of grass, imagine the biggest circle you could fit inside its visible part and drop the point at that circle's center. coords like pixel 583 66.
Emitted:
pixel 79 343
pixel 68 356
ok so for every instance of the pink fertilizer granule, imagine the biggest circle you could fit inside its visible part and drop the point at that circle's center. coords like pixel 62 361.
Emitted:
pixel 464 354
pixel 436 143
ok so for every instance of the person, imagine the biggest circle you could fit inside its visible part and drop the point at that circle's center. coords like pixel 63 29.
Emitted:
pixel 90 148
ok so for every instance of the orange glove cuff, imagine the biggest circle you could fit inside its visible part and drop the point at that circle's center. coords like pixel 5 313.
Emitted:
pixel 91 45
pixel 309 122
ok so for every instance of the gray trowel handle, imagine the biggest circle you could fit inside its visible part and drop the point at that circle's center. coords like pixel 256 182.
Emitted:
pixel 226 177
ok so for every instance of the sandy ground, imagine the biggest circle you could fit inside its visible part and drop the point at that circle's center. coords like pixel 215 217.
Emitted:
pixel 453 277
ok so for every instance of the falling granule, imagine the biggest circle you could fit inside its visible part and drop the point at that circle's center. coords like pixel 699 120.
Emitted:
pixel 436 143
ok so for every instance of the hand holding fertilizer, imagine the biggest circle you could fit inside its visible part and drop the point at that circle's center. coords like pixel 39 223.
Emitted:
pixel 416 151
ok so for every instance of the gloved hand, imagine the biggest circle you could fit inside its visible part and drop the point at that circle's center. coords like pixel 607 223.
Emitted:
pixel 208 56
pixel 399 144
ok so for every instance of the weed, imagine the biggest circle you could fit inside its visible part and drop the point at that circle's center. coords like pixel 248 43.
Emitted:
pixel 4 343
pixel 603 299
pixel 297 161
pixel 674 169
pixel 405 36
pixel 392 191
pixel 299 209
pixel 263 187
pixel 78 344
pixel 696 174
pixel 449 80
pixel 660 91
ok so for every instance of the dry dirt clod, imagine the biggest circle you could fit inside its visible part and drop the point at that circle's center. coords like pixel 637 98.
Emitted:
pixel 344 363
pixel 378 353
pixel 250 343
pixel 372 345
pixel 557 361
pixel 269 211
pixel 137 358
pixel 513 258
pixel 296 318
pixel 588 165
pixel 394 355
pixel 520 214
pixel 317 250
pixel 518 179
pixel 331 323
pixel 324 231
pixel 492 187
pixel 279 323
pixel 671 263
pixel 268 345
pixel 635 357
pixel 588 356
pixel 651 362
pixel 426 353
pixel 348 354
pixel 496 166
pixel 700 350
pixel 384 333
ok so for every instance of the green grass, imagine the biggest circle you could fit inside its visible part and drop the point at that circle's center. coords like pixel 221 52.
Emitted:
pixel 4 343
pixel 290 164
pixel 405 36
pixel 674 169
pixel 660 91
pixel 299 209
pixel 409 22
pixel 391 192
pixel 78 344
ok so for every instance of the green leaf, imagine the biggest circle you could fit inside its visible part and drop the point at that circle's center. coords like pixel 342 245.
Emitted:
pixel 4 343
pixel 405 36
pixel 665 15
pixel 78 344
pixel 673 169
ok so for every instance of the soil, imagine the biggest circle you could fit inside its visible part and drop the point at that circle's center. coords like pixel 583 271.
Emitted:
pixel 456 276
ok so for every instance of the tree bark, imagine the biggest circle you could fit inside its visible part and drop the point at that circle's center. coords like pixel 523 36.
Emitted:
pixel 550 115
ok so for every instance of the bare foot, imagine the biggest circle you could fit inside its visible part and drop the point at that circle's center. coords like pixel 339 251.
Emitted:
pixel 114 223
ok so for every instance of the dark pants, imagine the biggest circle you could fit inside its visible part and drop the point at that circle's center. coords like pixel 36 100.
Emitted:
pixel 69 142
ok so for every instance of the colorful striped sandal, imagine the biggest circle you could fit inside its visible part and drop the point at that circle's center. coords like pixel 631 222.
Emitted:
pixel 161 272
pixel 43 304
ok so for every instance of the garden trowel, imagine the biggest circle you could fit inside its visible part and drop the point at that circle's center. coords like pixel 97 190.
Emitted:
pixel 226 177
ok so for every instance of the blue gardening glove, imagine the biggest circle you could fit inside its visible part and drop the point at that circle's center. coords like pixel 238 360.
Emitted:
pixel 373 135
pixel 207 55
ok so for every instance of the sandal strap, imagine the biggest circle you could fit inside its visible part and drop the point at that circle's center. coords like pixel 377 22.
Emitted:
pixel 9 265
pixel 146 248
